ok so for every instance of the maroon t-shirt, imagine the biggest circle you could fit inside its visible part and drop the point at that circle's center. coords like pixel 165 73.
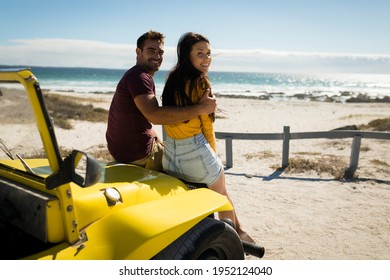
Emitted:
pixel 128 132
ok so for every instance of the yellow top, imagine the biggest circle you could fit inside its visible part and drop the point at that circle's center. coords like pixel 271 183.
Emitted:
pixel 201 124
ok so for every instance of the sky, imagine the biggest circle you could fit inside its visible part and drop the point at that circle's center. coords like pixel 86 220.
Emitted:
pixel 314 36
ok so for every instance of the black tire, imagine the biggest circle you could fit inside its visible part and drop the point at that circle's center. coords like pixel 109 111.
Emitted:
pixel 210 239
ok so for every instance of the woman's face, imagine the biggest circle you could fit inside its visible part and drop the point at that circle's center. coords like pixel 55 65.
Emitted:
pixel 200 56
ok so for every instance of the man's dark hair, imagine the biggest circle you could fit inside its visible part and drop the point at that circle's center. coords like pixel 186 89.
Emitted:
pixel 150 35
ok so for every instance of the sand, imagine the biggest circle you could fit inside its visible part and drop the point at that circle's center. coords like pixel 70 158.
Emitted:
pixel 308 216
pixel 295 216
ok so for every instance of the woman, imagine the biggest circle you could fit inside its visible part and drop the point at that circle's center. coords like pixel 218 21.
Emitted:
pixel 190 148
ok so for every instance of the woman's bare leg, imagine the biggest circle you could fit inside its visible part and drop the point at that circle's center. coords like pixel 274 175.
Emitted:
pixel 220 187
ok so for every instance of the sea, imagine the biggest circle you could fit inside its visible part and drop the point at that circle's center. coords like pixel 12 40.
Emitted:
pixel 270 86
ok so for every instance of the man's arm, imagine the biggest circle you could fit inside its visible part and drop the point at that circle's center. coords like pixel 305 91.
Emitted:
pixel 148 105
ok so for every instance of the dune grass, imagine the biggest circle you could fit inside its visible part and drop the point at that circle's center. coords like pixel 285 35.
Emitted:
pixel 64 108
pixel 324 164
pixel 377 125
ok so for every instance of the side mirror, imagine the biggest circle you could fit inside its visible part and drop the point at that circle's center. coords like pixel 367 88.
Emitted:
pixel 79 168
pixel 85 170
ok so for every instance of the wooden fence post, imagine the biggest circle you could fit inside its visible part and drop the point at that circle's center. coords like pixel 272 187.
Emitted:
pixel 229 151
pixel 353 163
pixel 286 146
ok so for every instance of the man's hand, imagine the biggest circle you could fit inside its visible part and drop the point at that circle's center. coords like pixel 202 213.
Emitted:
pixel 208 103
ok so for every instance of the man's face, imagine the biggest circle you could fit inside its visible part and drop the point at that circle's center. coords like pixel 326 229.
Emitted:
pixel 151 56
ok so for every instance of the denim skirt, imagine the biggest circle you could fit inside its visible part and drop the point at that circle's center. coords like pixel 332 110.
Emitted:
pixel 191 159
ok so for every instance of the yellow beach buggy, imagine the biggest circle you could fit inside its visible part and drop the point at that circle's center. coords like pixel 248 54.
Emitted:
pixel 72 207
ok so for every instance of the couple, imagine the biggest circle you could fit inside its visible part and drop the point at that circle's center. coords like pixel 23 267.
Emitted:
pixel 187 115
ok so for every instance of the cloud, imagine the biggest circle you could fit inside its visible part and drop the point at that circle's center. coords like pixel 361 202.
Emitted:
pixel 282 61
pixel 84 53
pixel 65 52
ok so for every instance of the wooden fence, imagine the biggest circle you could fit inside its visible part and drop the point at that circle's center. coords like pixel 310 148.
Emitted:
pixel 286 136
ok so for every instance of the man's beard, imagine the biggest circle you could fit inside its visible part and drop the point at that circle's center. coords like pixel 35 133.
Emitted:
pixel 152 67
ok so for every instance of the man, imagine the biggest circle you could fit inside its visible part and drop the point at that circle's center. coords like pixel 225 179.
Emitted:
pixel 134 108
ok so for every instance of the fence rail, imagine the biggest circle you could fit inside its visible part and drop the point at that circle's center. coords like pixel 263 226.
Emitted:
pixel 286 136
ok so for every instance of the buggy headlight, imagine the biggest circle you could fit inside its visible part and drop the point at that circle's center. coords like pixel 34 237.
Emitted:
pixel 112 196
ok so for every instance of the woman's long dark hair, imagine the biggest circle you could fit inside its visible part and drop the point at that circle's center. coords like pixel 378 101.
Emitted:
pixel 174 93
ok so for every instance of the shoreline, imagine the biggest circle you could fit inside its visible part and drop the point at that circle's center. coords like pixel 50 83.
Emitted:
pixel 344 97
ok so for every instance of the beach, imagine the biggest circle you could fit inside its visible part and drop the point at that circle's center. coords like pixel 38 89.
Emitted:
pixel 295 215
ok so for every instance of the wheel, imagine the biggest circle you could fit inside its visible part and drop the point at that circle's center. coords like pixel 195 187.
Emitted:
pixel 210 239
